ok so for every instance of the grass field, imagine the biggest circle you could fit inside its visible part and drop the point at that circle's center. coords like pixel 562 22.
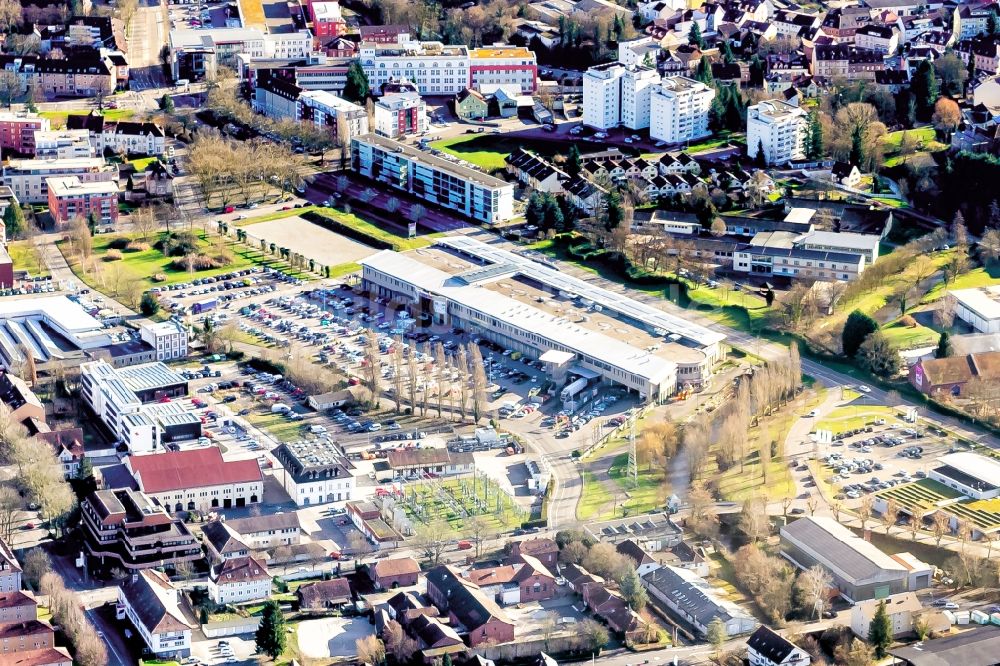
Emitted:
pixel 487 151
pixel 58 118
pixel 276 215
pixel 852 418
pixel 277 425
pixel 980 277
pixel 594 499
pixel 453 503
pixel 892 140
pixel 906 337
pixel 140 164
pixel 26 257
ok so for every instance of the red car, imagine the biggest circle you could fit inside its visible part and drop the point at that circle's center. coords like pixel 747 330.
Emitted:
pixel 286 208
pixel 164 399
pixel 229 209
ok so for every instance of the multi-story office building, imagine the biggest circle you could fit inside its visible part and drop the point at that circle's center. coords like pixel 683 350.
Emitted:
pixel 434 68
pixel 328 22
pixel 796 262
pixel 63 144
pixel 504 65
pixel 466 191
pixel 400 114
pixel 198 53
pixel 29 178
pixel 780 128
pixel 70 198
pixel 316 472
pixel 342 119
pixel 17 131
pixel 168 338
pixel 679 109
pixel 123 528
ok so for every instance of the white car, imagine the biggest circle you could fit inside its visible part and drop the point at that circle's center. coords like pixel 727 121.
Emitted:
pixel 864 389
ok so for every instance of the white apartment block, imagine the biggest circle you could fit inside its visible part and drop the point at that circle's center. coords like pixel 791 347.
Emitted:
pixel 780 128
pixel 400 114
pixel 133 138
pixel 434 68
pixel 239 580
pixel 168 338
pixel 63 144
pixel 679 109
pixel 198 53
pixel 343 119
pixel 466 191
pixel 615 94
pixel 602 96
pixel 27 178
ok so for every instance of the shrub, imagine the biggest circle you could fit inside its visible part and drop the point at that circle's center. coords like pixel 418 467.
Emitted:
pixel 137 246
pixel 907 321
pixel 113 255
pixel 159 277
pixel 179 244
pixel 198 262
pixel 118 243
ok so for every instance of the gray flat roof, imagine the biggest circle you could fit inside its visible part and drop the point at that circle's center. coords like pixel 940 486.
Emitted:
pixel 416 155
pixel 976 647
pixel 839 548
pixel 552 278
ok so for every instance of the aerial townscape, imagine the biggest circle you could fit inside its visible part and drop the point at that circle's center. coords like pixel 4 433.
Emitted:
pixel 499 333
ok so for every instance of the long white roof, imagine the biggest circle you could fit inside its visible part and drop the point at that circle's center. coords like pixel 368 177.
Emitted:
pixel 560 330
pixel 977 466
pixel 57 309
pixel 552 278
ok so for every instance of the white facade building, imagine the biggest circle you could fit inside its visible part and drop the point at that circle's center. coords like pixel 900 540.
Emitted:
pixel 168 338
pixel 133 138
pixel 637 86
pixel 780 128
pixel 152 604
pixel 979 307
pixel 315 472
pixel 28 178
pixel 466 191
pixel 434 68
pixel 971 474
pixel 400 114
pixel 679 109
pixel 343 119
pixel 503 65
pixel 616 94
pixel 63 144
pixel 239 580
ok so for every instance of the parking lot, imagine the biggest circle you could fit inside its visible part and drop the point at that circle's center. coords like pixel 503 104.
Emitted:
pixel 203 15
pixel 878 450
pixel 229 650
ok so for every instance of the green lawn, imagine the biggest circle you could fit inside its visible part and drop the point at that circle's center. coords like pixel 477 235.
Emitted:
pixel 341 270
pixel 906 337
pixel 649 491
pixel 140 163
pixel 26 257
pixel 595 500
pixel 980 277
pixel 141 266
pixel 852 418
pixel 58 118
pixel 277 425
pixel 276 215
pixel 487 151
pixel 892 140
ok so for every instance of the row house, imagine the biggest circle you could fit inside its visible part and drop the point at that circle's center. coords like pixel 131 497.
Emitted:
pixel 972 20
pixel 842 23
pixel 123 137
pixel 788 23
pixel 831 61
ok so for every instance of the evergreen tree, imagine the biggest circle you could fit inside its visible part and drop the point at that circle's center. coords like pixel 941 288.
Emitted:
pixel 573 162
pixel 534 213
pixel 92 222
pixel 857 327
pixel 694 36
pixel 356 89
pixel 924 87
pixel 814 147
pixel 552 216
pixel 703 72
pixel 727 53
pixel 271 632
pixel 992 24
pixel 614 210
pixel 944 348
pixel 880 632
pixel 30 105
pixel 149 306
pixel 756 71
pixel 858 154
pixel 13 219
pixel 167 103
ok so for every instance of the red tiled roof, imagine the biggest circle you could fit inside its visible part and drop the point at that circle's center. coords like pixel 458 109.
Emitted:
pixel 397 566
pixel 42 657
pixel 195 468
pixel 14 599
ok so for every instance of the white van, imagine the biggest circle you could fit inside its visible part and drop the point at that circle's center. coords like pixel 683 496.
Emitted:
pixel 317 429
pixel 279 408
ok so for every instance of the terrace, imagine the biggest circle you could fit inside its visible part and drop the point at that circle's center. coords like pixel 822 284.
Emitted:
pixel 922 497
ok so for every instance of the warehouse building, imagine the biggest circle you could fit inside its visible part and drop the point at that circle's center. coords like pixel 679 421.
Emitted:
pixel 860 570
pixel 978 307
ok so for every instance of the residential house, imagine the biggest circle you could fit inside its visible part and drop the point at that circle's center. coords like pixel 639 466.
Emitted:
pixel 153 605
pixel 471 105
pixel 24 636
pixel 466 605
pixel 846 173
pixel 903 611
pixel 644 562
pixel 613 610
pixel 68 447
pixel 949 376
pixel 17 606
pixel 268 531
pixel 10 569
pixel 535 172
pixel 767 648
pixel 528 580
pixel 25 407
pixel 325 595
pixel 390 573
pixel 239 580
pixel 543 549
pixel 222 543
pixel 880 38
pixel 43 657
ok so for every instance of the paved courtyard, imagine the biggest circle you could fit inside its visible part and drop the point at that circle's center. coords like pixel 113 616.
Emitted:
pixel 310 240
pixel 330 637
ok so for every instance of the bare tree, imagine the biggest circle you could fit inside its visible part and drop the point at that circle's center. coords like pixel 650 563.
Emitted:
pixel 814 586
pixel 890 514
pixel 940 525
pixel 10 512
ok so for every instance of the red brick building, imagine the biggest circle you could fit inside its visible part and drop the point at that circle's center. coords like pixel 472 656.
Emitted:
pixel 395 572
pixel 17 131
pixel 545 550
pixel 69 198
pixel 935 376
pixel 328 23
pixel 518 583
pixel 468 606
